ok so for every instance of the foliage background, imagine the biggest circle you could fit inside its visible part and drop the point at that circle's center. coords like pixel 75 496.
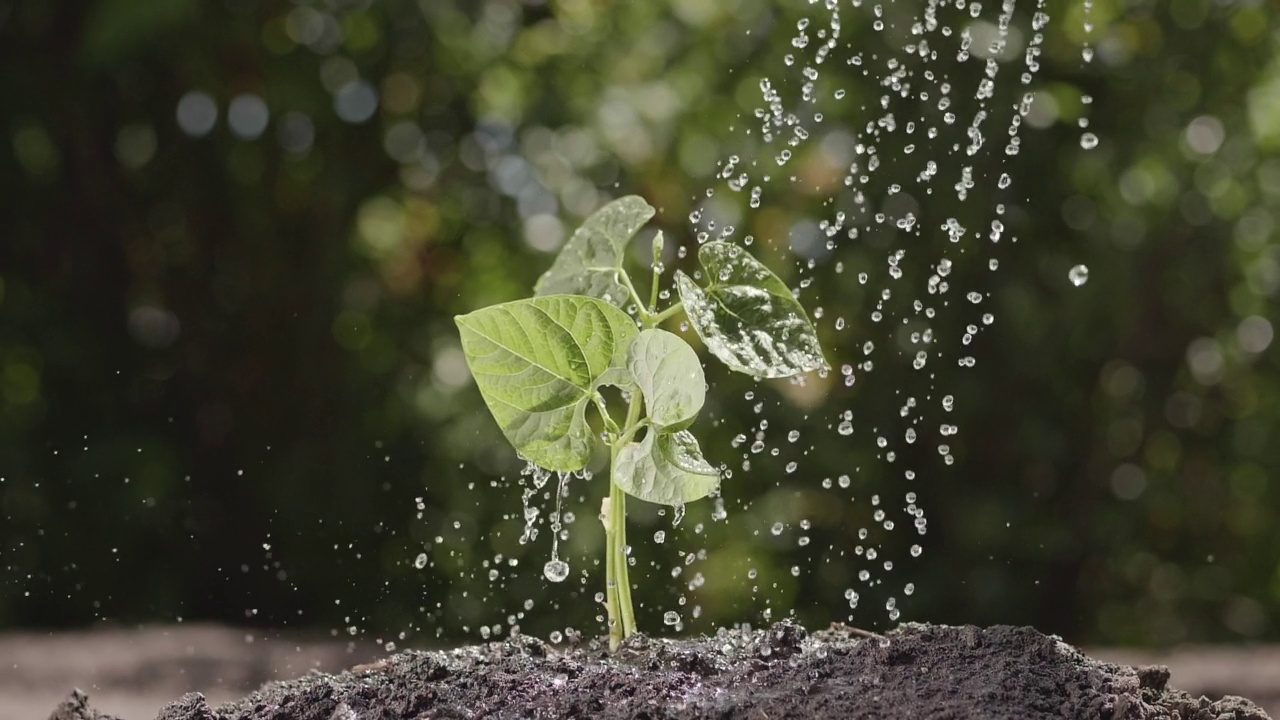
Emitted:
pixel 228 366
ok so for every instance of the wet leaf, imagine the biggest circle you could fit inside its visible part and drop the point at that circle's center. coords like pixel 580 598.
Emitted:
pixel 669 375
pixel 747 316
pixel 590 262
pixel 665 468
pixel 537 363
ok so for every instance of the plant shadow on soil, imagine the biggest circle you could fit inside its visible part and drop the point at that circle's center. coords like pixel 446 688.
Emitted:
pixel 915 671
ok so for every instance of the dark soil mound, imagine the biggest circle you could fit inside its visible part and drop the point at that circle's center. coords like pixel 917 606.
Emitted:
pixel 917 671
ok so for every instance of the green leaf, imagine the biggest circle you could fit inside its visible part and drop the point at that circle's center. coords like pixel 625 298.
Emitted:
pixel 537 362
pixel 669 375
pixel 590 262
pixel 668 470
pixel 747 316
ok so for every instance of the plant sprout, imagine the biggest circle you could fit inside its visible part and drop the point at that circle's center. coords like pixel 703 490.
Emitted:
pixel 541 362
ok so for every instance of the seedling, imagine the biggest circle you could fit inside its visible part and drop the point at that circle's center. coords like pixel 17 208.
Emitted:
pixel 540 362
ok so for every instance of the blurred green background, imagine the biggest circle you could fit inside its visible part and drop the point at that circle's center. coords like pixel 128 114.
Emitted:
pixel 233 236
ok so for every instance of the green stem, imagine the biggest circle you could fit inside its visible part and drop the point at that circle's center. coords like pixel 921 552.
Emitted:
pixel 635 296
pixel 653 290
pixel 628 436
pixel 609 425
pixel 657 319
pixel 621 574
pixel 613 599
pixel 622 617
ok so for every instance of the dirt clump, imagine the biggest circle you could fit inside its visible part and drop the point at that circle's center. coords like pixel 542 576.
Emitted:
pixel 916 671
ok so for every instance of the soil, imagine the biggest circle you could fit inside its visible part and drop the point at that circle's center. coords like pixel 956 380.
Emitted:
pixel 916 671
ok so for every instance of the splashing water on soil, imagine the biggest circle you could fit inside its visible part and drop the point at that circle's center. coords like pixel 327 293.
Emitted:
pixel 917 671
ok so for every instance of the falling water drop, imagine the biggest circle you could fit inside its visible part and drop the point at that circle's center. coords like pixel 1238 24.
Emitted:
pixel 556 570
pixel 1088 141
pixel 1078 275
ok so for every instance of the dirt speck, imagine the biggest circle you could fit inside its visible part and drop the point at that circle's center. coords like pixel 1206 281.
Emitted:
pixel 916 671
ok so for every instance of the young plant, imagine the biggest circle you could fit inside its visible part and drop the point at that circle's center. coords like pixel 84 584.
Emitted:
pixel 541 362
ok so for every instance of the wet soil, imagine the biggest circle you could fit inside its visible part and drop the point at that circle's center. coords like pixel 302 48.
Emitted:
pixel 917 671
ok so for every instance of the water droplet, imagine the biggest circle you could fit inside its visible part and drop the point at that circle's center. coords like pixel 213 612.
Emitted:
pixel 1088 141
pixel 671 617
pixel 556 570
pixel 421 561
pixel 1078 275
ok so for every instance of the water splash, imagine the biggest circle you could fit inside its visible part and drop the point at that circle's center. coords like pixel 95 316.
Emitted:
pixel 895 190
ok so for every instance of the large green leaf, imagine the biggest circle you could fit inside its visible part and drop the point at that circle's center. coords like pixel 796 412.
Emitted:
pixel 590 262
pixel 538 362
pixel 669 375
pixel 747 316
pixel 665 468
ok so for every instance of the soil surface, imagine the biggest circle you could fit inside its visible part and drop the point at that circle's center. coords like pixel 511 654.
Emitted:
pixel 917 671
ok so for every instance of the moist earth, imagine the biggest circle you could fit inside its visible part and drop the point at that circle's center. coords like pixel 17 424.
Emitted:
pixel 915 671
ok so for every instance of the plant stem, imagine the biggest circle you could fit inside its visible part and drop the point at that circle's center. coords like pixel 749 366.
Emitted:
pixel 622 617
pixel 655 320
pixel 609 425
pixel 621 574
pixel 653 289
pixel 635 296
pixel 613 600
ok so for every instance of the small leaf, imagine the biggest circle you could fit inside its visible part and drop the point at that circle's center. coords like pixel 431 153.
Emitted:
pixel 668 471
pixel 669 375
pixel 590 262
pixel 747 316
pixel 537 362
